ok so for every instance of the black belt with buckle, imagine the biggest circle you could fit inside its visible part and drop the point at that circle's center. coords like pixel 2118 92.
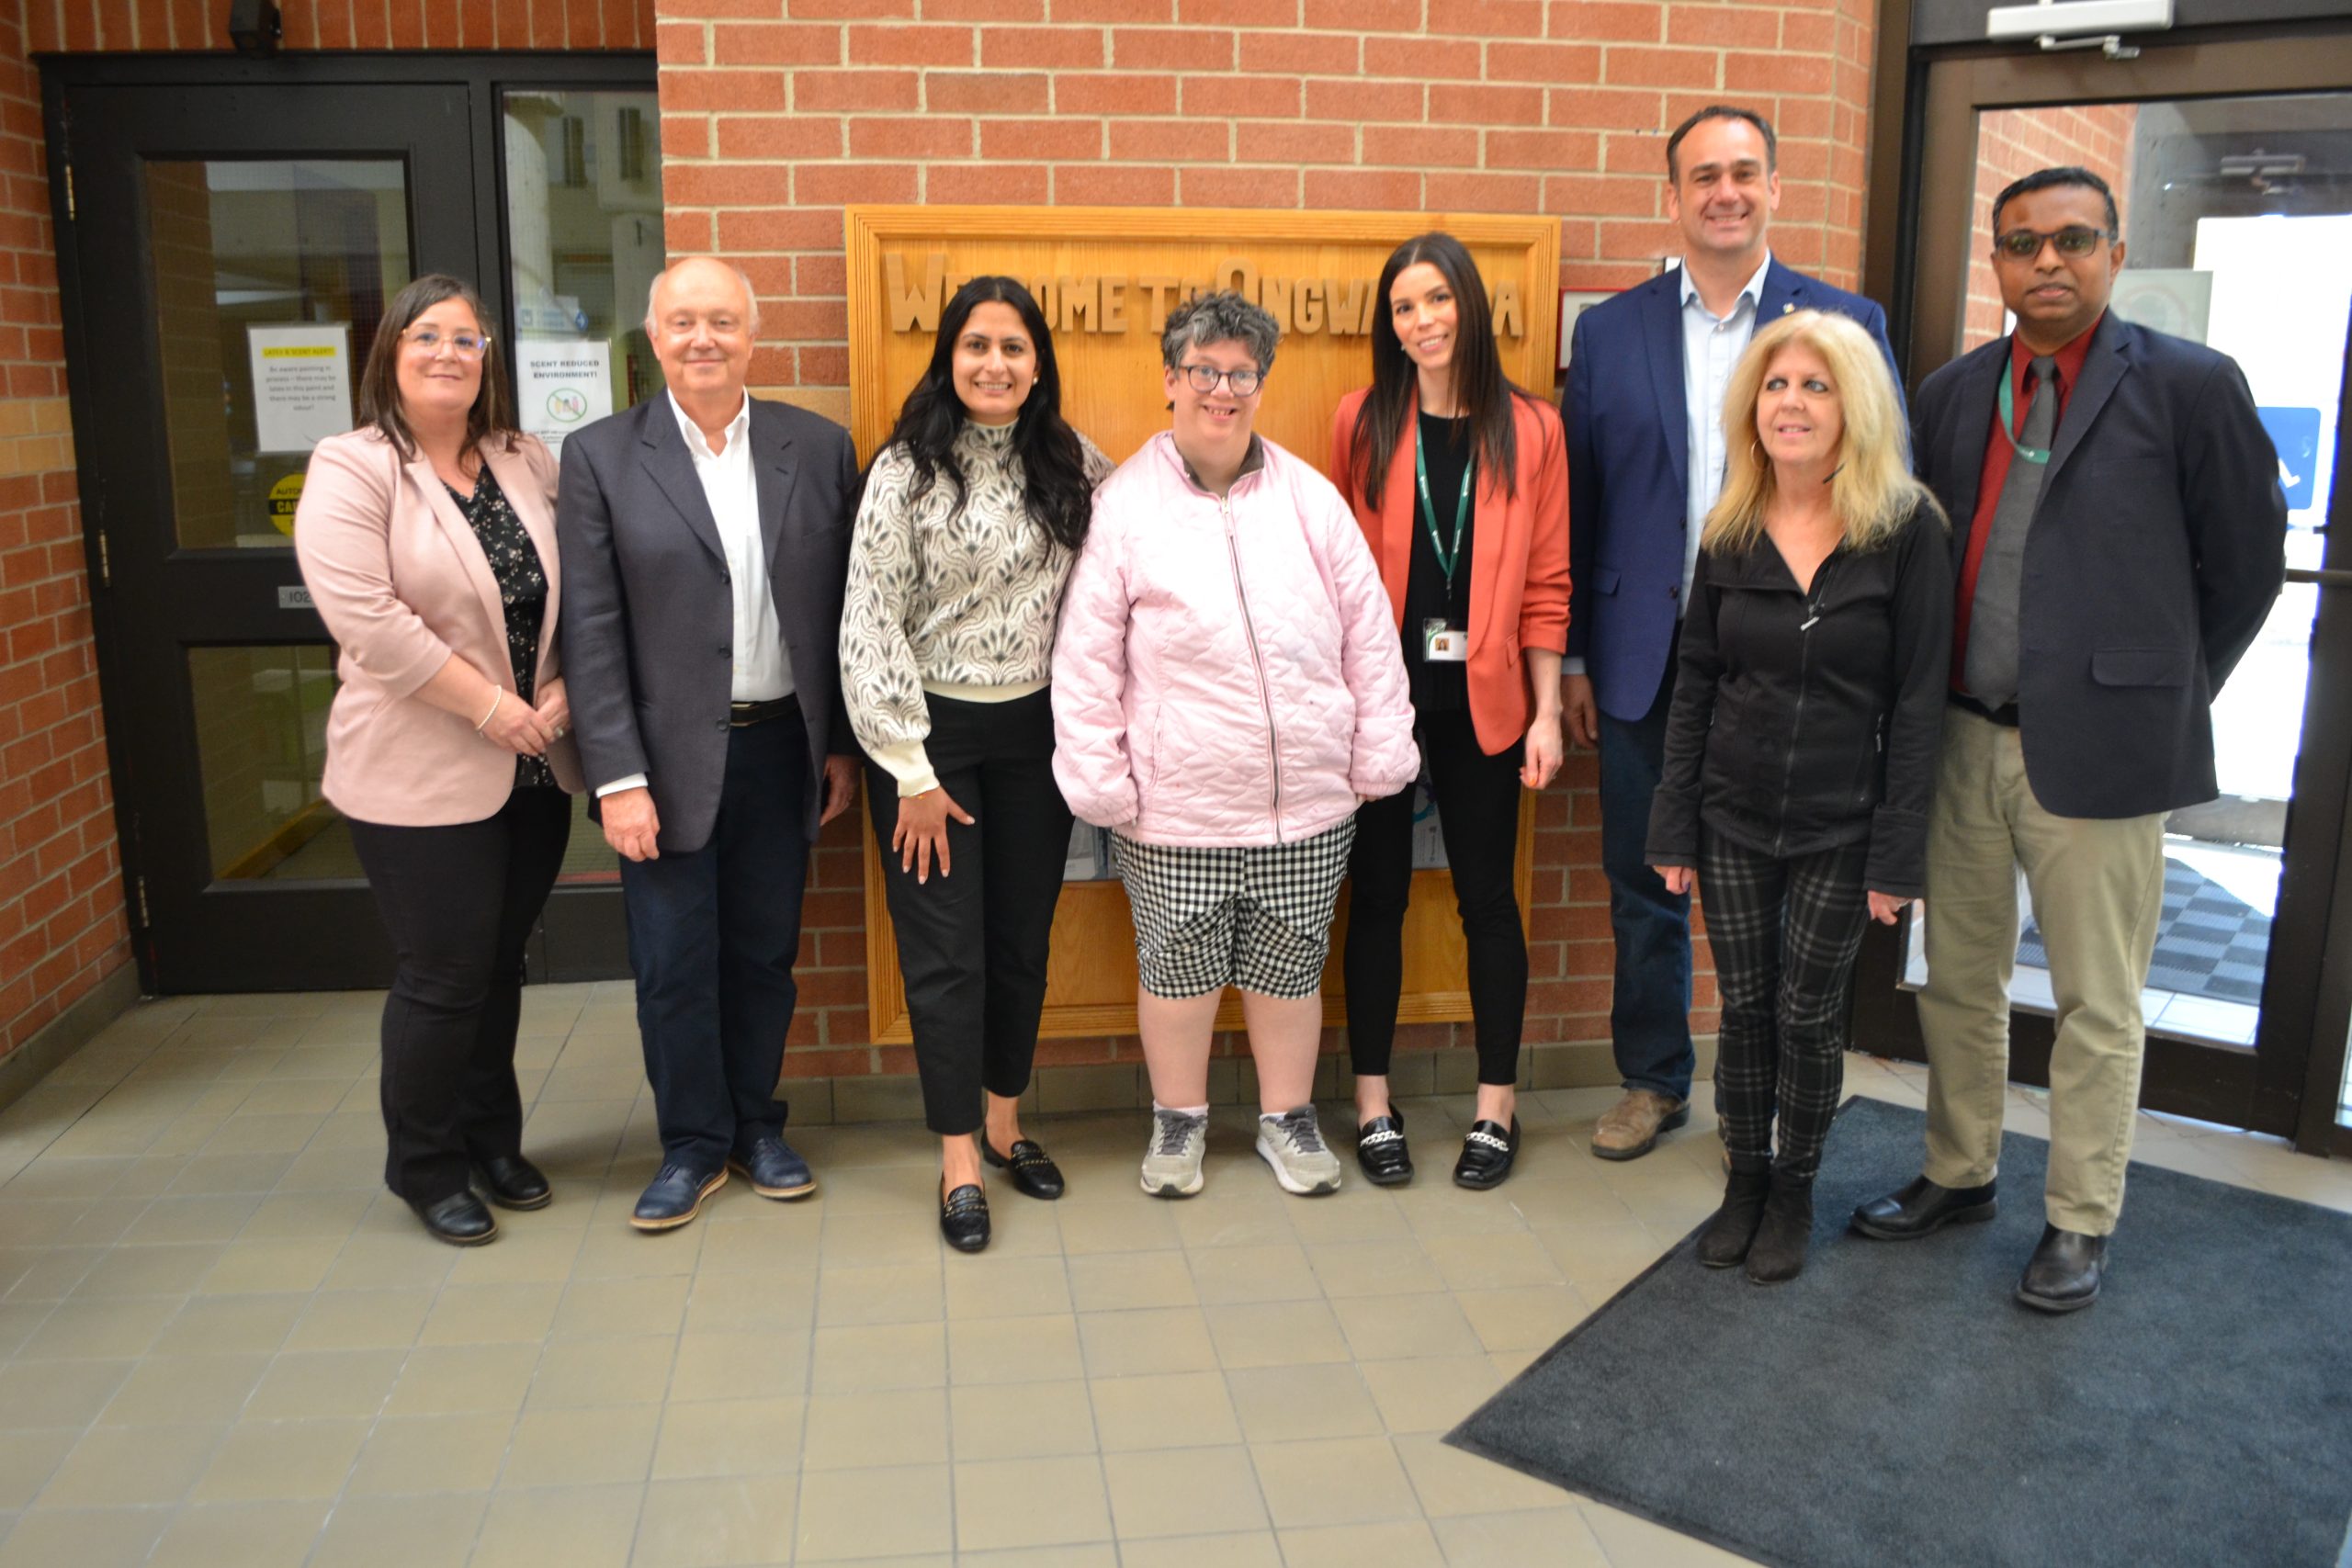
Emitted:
pixel 742 716
pixel 2004 715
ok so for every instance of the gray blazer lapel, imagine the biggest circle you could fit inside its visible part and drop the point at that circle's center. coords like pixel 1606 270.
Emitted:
pixel 772 471
pixel 2103 371
pixel 671 467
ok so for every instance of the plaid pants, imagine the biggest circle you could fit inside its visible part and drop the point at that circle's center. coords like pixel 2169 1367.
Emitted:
pixel 1784 934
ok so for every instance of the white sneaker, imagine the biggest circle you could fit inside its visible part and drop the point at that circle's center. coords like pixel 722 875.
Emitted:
pixel 1171 1160
pixel 1293 1143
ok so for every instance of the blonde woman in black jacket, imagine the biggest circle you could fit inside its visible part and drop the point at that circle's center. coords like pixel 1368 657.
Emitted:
pixel 1800 748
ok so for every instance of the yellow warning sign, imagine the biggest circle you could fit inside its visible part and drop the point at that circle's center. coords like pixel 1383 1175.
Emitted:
pixel 284 496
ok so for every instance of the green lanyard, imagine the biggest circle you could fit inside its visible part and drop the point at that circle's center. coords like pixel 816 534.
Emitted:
pixel 1447 556
pixel 2036 455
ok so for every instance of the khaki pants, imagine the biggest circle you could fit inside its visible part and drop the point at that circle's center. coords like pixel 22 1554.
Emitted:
pixel 2097 888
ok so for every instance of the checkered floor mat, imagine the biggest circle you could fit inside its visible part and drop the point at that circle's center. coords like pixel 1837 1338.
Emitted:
pixel 2208 941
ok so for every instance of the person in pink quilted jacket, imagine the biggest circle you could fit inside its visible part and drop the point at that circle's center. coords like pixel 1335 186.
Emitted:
pixel 1227 688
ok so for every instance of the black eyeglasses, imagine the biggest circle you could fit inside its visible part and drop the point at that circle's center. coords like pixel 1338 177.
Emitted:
pixel 1202 378
pixel 2074 240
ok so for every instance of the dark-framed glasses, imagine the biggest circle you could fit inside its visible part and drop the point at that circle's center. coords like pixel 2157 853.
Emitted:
pixel 2074 240
pixel 1202 378
pixel 465 345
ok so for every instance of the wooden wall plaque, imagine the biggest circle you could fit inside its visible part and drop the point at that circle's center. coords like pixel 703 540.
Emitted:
pixel 1106 277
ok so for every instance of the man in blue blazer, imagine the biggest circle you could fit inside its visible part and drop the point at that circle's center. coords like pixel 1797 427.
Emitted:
pixel 1643 410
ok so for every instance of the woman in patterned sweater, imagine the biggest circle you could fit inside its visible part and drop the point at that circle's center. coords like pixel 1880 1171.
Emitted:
pixel 973 511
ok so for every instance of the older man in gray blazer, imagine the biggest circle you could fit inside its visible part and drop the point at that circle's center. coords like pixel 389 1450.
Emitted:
pixel 705 539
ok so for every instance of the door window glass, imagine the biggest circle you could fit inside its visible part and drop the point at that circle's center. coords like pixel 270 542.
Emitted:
pixel 261 721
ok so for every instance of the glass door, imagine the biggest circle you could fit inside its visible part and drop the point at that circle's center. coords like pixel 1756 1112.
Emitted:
pixel 2233 170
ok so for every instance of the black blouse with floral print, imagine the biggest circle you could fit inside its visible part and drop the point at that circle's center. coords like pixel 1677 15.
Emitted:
pixel 522 587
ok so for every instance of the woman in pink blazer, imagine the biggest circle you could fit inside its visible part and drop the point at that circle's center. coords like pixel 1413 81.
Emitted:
pixel 427 538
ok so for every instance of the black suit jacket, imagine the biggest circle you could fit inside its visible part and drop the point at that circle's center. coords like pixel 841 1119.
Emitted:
pixel 647 615
pixel 2156 550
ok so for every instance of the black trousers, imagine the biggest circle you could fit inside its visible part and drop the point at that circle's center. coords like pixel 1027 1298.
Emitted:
pixel 459 902
pixel 973 944
pixel 1477 807
pixel 1784 933
pixel 712 935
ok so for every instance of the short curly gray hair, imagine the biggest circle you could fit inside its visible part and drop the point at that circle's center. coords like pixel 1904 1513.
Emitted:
pixel 1222 317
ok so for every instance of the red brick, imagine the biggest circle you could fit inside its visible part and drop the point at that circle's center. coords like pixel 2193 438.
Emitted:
pixel 1045 139
pixel 902 138
pixel 1115 94
pixel 1723 27
pixel 1365 101
pixel 722 90
pixel 776 136
pixel 1308 54
pixel 1452 104
pixel 984 10
pixel 1238 187
pixel 1417 146
pixel 1292 142
pixel 817 186
pixel 1545 149
pixel 988 92
pixel 1624 66
pixel 686 136
pixel 728 185
pixel 1006 49
pixel 1776 74
pixel 1514 19
pixel 1609 195
pixel 1366 15
pixel 1134 13
pixel 910 46
pixel 1114 184
pixel 848 10
pixel 853 91
pixel 1171 49
pixel 1371 189
pixel 1639 21
pixel 1424 59
pixel 1018 185
pixel 774 43
pixel 1230 97
pixel 1179 141
pixel 1602 109
pixel 1237 13
pixel 1487 193
pixel 1545 62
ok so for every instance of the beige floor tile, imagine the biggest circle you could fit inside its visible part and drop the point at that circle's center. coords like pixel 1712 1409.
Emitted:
pixel 400 1532
pixel 896 1355
pixel 1124 1282
pixel 1373 1267
pixel 873 1428
pixel 904 1511
pixel 762 1303
pixel 249 1268
pixel 1449 1482
pixel 1553 1536
pixel 490 1314
pixel 431 1453
pixel 84 1538
pixel 1225 1275
pixel 1358 1214
pixel 179 1389
pixel 28 1459
pixel 58 1393
pixel 1332 1480
pixel 118 1328
pixel 232 1324
pixel 1011 1502
pixel 361 1320
pixel 1095 1555
pixel 1157 1339
pixel 1032 1420
pixel 897 1293
pixel 216 1217
pixel 1529 1317
pixel 740 1365
pixel 390 1262
pixel 1254 1550
pixel 113 1467
pixel 731 1437
pixel 562 1447
pixel 463 1379
pixel 1432 1396
pixel 1247 1210
pixel 1381 1328
pixel 1163 1492
pixel 581 1373
pixel 325 1383
pixel 597 1309
pixel 1491 1262
pixel 1007 1286
pixel 162 1271
pixel 580 1527
pixel 526 1253
pixel 1404 1543
pixel 1094 1228
pixel 1013 1350
pixel 1632 1543
pixel 1167 1410
pixel 723 1520
pixel 1275 1334
pixel 263 1461
pixel 241 1535
pixel 1289 1402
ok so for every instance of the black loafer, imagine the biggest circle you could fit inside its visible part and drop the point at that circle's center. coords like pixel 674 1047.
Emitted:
pixel 773 1170
pixel 1923 1209
pixel 2066 1271
pixel 1032 1172
pixel 674 1196
pixel 459 1219
pixel 1487 1153
pixel 515 1182
pixel 964 1218
pixel 1382 1153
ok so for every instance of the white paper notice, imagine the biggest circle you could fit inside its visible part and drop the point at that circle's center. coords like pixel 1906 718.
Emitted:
pixel 562 386
pixel 302 385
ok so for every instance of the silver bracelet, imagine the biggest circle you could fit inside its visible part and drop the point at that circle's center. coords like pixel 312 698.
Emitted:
pixel 496 697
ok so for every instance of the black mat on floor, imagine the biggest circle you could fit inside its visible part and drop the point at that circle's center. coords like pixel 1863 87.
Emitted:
pixel 2209 942
pixel 1893 1405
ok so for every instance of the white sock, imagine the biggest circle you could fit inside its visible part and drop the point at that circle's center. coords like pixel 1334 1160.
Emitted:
pixel 1193 1110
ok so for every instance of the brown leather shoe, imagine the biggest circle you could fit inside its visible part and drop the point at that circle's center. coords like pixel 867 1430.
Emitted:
pixel 1629 1130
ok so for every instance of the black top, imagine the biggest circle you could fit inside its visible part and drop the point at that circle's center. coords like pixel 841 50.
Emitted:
pixel 1805 719
pixel 522 588
pixel 1446 448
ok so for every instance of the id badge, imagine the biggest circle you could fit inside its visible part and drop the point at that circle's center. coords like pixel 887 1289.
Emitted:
pixel 1443 644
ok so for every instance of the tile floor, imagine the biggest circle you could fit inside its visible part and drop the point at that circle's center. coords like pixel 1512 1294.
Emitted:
pixel 221 1341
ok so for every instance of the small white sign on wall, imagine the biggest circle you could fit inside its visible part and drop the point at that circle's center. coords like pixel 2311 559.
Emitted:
pixel 1575 302
pixel 301 384
pixel 562 385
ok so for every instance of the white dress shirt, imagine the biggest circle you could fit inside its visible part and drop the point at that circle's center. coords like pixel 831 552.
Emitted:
pixel 1711 346
pixel 761 670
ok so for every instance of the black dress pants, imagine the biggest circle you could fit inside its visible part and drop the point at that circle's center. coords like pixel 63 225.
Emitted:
pixel 712 936
pixel 973 943
pixel 1477 807
pixel 459 902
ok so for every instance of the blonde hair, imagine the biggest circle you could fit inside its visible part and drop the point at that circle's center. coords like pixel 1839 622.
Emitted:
pixel 1872 490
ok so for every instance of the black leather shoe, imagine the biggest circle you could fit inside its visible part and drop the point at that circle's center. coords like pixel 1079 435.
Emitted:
pixel 459 1219
pixel 964 1218
pixel 1923 1209
pixel 773 1170
pixel 2066 1271
pixel 1728 1235
pixel 674 1196
pixel 515 1183
pixel 1382 1153
pixel 1487 1154
pixel 1784 1232
pixel 1033 1171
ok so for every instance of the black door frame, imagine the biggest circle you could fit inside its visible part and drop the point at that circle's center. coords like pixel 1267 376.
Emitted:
pixel 1923 111
pixel 337 939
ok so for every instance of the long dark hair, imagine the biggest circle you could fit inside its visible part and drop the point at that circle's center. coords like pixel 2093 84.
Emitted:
pixel 380 386
pixel 1054 488
pixel 1482 392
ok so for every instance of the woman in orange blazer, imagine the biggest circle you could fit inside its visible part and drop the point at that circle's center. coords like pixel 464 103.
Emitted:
pixel 1460 483
pixel 427 538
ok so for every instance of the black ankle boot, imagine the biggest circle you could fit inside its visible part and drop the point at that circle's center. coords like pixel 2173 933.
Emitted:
pixel 1725 1240
pixel 1778 1251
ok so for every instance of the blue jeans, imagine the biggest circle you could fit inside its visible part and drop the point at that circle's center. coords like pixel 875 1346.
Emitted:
pixel 1649 1012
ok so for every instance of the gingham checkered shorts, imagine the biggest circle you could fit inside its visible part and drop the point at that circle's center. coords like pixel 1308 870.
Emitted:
pixel 1258 917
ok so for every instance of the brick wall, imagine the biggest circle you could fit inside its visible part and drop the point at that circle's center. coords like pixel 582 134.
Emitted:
pixel 777 112
pixel 2011 143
